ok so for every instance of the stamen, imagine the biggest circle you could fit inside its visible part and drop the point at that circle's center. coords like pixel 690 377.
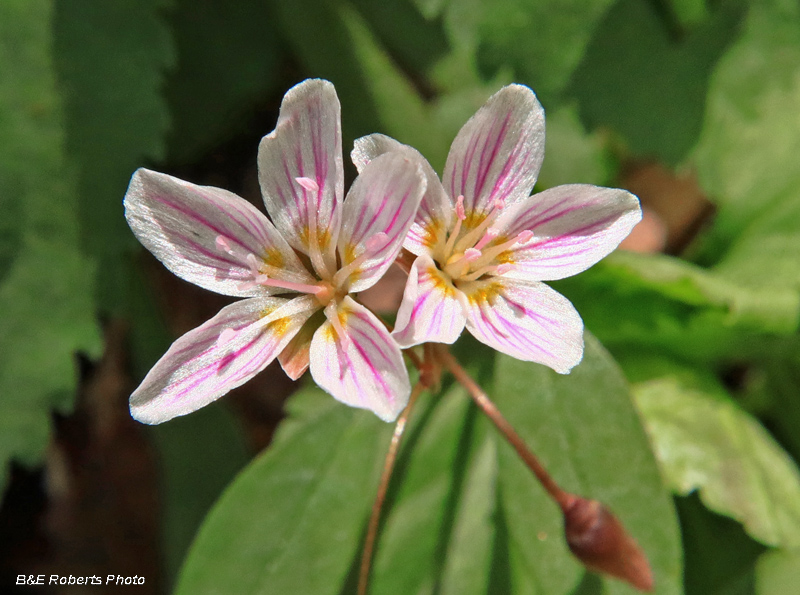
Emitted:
pixel 372 245
pixel 460 212
pixel 490 234
pixel 472 254
pixel 314 252
pixel 499 269
pixel 252 261
pixel 224 245
pixel 225 336
pixel 482 227
pixel 290 285
pixel 461 215
pixel 308 183
pixel 522 238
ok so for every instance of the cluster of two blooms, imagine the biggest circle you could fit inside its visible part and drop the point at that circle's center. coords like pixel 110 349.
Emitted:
pixel 483 246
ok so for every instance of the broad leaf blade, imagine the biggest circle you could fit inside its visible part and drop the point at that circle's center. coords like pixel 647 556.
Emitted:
pixel 291 522
pixel 704 441
pixel 587 432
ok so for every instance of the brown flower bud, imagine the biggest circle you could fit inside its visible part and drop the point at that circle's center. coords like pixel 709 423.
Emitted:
pixel 601 543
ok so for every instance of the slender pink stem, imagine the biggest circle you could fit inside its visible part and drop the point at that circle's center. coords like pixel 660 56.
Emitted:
pixel 564 499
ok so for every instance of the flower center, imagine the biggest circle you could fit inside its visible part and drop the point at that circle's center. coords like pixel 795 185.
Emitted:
pixel 470 254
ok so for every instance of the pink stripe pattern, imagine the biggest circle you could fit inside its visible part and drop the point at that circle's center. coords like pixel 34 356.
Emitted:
pixel 481 264
pixel 219 241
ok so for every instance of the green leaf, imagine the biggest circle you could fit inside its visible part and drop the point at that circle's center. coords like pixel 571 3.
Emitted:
pixel 667 303
pixel 228 58
pixel 647 83
pixel 46 283
pixel 586 430
pixel 573 156
pixel 428 484
pixel 199 454
pixel 469 555
pixel 719 557
pixel 292 520
pixel 778 573
pixel 705 442
pixel 751 132
pixel 110 58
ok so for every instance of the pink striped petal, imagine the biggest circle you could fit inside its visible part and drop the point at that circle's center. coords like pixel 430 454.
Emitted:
pixel 435 212
pixel 204 235
pixel 300 167
pixel 378 211
pixel 218 356
pixel 364 368
pixel 498 152
pixel 573 227
pixel 526 320
pixel 432 309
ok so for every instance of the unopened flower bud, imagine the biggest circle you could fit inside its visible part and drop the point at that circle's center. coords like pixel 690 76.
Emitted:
pixel 597 538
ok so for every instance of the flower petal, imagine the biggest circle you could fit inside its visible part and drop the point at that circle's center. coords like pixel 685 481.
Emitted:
pixel 435 212
pixel 498 152
pixel 526 320
pixel 181 224
pixel 573 227
pixel 431 310
pixel 218 356
pixel 306 144
pixel 364 368
pixel 378 211
pixel 294 358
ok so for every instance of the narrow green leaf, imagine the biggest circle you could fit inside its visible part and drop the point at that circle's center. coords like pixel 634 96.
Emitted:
pixel 586 430
pixel 468 560
pixel 291 522
pixel 778 573
pixel 46 283
pixel 706 442
pixel 421 513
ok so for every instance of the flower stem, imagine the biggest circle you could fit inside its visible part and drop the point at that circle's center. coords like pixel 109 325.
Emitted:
pixel 383 486
pixel 564 499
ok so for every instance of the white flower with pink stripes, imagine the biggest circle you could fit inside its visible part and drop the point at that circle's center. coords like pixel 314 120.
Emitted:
pixel 484 245
pixel 297 271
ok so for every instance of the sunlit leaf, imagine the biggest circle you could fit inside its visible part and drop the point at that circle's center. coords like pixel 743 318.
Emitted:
pixel 704 442
pixel 777 573
pixel 745 156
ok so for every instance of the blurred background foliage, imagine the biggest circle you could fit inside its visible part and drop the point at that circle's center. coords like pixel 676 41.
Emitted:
pixel 692 104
